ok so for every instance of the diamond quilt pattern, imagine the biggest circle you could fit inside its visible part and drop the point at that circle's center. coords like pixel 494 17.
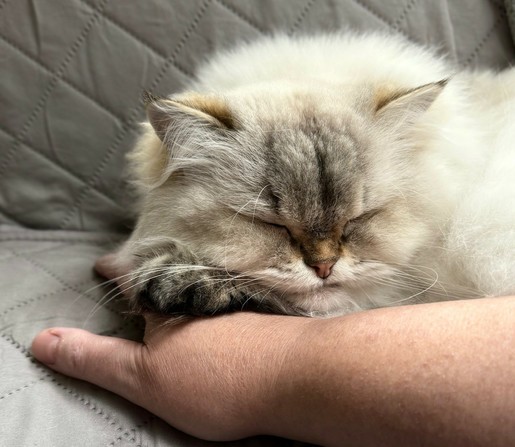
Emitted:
pixel 72 74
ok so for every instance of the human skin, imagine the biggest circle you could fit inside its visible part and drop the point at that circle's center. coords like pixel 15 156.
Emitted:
pixel 439 374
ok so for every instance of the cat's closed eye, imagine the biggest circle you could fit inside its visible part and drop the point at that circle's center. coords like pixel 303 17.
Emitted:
pixel 352 224
pixel 279 227
pixel 349 227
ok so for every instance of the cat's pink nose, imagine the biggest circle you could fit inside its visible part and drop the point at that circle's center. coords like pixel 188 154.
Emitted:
pixel 323 269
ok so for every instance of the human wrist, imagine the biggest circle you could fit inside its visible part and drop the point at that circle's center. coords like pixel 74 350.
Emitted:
pixel 275 343
pixel 290 395
pixel 357 379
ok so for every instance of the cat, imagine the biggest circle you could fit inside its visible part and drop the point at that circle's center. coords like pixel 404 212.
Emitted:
pixel 323 175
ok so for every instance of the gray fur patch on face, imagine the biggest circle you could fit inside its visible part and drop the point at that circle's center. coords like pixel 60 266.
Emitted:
pixel 314 172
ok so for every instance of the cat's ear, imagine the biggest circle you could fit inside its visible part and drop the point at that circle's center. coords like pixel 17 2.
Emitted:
pixel 400 109
pixel 190 109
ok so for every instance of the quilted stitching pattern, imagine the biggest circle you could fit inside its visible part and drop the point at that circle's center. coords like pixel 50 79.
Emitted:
pixel 72 72
pixel 73 86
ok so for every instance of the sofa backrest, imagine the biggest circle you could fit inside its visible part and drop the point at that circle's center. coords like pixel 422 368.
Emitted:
pixel 72 73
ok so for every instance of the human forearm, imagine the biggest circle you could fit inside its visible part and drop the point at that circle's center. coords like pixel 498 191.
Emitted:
pixel 439 374
pixel 426 375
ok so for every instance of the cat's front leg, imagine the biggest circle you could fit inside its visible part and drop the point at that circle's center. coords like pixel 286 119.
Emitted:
pixel 173 281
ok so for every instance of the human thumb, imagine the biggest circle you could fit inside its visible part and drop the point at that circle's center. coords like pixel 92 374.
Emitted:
pixel 112 363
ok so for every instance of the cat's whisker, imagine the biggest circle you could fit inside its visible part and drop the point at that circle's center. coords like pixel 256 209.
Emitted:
pixel 430 283
pixel 222 278
pixel 107 282
pixel 91 289
pixel 417 291
pixel 244 283
pixel 395 284
pixel 443 285
pixel 102 301
pixel 107 299
pixel 209 281
pixel 408 282
pixel 414 295
pixel 256 201
pixel 98 307
pixel 374 303
pixel 425 280
pixel 403 276
pixel 424 270
pixel 145 278
pixel 297 310
pixel 155 272
pixel 285 291
pixel 271 288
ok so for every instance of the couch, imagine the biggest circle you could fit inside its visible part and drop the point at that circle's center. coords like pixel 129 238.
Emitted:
pixel 72 73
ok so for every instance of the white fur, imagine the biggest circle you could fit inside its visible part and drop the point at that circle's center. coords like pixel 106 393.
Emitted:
pixel 470 133
pixel 465 172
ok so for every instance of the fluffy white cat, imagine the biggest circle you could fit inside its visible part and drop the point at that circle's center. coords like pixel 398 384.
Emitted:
pixel 323 175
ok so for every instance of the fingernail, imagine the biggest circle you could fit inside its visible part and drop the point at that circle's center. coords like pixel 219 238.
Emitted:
pixel 47 352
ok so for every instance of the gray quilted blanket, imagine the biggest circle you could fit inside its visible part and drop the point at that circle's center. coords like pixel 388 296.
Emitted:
pixel 72 72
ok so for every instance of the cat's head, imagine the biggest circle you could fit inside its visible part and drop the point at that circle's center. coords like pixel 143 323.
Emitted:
pixel 308 192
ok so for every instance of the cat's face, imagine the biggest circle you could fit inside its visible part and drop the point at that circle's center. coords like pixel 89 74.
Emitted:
pixel 305 193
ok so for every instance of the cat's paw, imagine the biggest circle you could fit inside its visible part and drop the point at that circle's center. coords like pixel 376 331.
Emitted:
pixel 171 280
pixel 185 290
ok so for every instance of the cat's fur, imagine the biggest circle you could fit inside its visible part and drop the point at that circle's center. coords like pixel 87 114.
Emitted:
pixel 293 153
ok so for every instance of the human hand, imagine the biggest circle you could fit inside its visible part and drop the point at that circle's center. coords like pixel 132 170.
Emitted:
pixel 213 378
pixel 431 374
